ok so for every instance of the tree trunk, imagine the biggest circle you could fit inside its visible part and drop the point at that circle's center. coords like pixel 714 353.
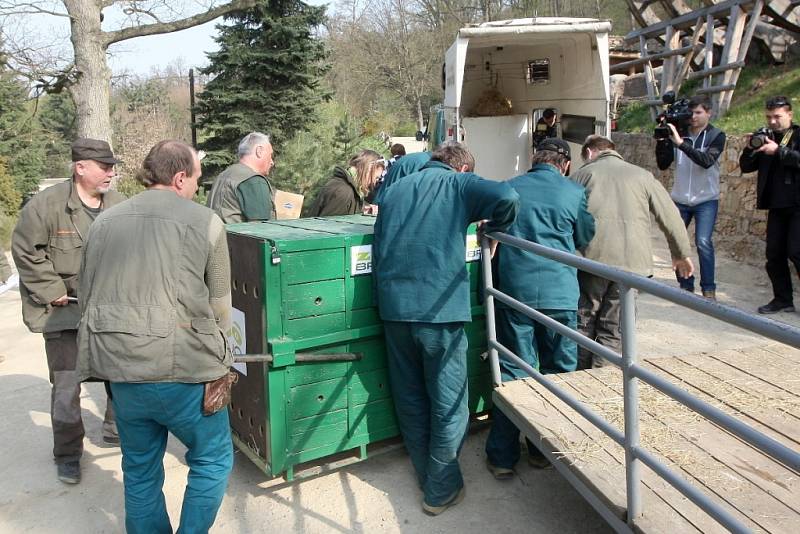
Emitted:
pixel 91 91
pixel 420 116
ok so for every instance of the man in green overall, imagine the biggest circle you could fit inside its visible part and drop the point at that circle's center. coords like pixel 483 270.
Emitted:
pixel 405 166
pixel 242 192
pixel 552 212
pixel 422 288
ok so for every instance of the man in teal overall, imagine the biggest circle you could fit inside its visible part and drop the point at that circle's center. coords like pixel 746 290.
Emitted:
pixel 423 296
pixel 408 164
pixel 552 212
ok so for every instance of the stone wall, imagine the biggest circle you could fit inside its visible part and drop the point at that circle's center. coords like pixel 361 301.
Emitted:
pixel 740 226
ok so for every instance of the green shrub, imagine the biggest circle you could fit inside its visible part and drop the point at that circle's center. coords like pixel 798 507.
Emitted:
pixel 7 224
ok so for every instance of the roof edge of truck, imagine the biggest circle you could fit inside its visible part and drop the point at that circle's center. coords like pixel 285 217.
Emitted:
pixel 536 25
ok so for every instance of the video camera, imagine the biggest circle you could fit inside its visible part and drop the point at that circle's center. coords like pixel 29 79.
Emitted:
pixel 678 113
pixel 759 138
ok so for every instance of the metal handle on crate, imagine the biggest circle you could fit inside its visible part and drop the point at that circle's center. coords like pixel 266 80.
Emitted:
pixel 301 357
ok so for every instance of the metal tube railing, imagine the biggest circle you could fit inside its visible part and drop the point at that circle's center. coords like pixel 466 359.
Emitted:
pixel 711 507
pixel 551 323
pixel 633 372
pixel 760 325
pixel 630 395
pixel 491 331
pixel 568 399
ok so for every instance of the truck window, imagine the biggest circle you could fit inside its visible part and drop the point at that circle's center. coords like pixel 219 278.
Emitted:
pixel 576 128
pixel 538 71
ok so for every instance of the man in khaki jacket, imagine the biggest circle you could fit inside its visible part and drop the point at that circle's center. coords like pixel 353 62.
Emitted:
pixel 621 198
pixel 155 297
pixel 46 245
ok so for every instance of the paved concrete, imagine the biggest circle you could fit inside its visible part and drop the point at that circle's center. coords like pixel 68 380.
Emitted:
pixel 379 494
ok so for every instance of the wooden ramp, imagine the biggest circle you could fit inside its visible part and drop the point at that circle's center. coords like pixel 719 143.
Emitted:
pixel 759 386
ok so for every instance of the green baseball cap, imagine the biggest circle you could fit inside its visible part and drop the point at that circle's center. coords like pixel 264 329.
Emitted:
pixel 94 149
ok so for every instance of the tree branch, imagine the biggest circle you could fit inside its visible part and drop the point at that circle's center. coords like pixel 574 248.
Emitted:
pixel 27 8
pixel 135 12
pixel 177 25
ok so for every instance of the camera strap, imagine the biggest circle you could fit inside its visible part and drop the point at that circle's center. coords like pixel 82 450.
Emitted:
pixel 787 136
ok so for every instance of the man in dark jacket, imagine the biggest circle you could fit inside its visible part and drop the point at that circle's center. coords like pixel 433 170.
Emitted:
pixel 422 289
pixel 545 127
pixel 552 212
pixel 47 245
pixel 778 164
pixel 696 187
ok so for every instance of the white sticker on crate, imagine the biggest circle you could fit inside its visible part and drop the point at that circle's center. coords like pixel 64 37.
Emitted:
pixel 237 338
pixel 361 256
pixel 473 248
pixel 360 260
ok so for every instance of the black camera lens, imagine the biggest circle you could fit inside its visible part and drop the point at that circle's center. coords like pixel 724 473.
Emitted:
pixel 757 141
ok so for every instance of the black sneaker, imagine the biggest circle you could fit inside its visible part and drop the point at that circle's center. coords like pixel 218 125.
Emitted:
pixel 69 472
pixel 774 307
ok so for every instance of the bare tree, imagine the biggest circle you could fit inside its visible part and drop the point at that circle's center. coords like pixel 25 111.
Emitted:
pixel 85 72
pixel 392 49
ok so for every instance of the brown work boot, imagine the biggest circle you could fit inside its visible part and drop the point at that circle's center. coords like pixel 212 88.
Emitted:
pixel 454 500
pixel 710 294
pixel 500 473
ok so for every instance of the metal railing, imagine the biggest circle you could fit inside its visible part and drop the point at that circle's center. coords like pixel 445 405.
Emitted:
pixel 632 372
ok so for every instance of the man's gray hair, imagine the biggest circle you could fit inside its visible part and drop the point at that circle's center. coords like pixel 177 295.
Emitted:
pixel 250 141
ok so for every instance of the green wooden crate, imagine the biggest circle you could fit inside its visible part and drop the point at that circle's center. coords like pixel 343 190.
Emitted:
pixel 304 285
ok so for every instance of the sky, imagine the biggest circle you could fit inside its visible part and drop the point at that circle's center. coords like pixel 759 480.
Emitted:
pixel 143 55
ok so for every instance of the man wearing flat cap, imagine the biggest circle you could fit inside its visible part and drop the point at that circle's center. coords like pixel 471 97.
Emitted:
pixel 47 244
pixel 552 212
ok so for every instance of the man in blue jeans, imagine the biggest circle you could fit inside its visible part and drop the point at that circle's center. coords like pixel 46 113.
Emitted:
pixel 696 187
pixel 151 324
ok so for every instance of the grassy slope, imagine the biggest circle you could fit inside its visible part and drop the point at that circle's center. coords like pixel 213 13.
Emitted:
pixel 756 84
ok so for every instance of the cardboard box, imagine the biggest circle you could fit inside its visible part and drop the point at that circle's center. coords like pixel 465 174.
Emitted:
pixel 288 205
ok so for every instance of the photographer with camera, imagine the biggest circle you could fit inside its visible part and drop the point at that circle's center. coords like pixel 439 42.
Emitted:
pixel 774 152
pixel 695 149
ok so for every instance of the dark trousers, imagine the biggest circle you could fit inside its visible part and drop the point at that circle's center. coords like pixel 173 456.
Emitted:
pixel 783 245
pixel 428 376
pixel 598 317
pixel 65 404
pixel 542 349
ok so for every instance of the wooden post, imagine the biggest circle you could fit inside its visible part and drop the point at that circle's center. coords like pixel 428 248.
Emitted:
pixel 668 66
pixel 731 49
pixel 687 61
pixel 649 77
pixel 709 59
pixel 755 14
